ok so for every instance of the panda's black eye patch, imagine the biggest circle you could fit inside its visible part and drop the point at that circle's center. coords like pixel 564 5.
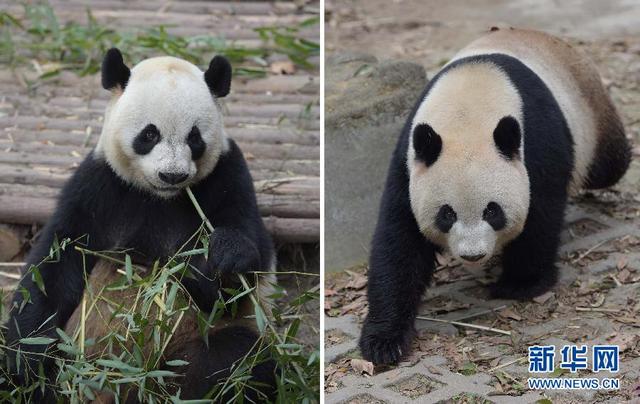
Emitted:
pixel 196 144
pixel 427 144
pixel 507 137
pixel 445 218
pixel 494 215
pixel 146 139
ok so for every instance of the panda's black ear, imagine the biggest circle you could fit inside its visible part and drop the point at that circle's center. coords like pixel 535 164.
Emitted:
pixel 426 143
pixel 218 76
pixel 507 137
pixel 114 72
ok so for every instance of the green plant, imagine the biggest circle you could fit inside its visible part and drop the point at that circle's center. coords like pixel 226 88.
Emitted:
pixel 286 41
pixel 131 356
pixel 40 39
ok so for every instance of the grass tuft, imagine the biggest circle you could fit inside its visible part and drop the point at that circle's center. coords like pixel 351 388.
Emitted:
pixel 39 39
pixel 128 359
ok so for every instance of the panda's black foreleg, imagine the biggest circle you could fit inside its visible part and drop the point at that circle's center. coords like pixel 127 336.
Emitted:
pixel 230 349
pixel 231 253
pixel 239 243
pixel 528 262
pixel 400 267
pixel 39 307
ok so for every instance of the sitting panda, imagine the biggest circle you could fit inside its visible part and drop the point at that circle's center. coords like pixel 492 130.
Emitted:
pixel 500 136
pixel 162 132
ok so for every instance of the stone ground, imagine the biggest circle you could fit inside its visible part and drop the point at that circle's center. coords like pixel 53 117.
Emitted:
pixel 596 301
pixel 598 297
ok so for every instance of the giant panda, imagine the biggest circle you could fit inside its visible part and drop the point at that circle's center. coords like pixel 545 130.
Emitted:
pixel 163 131
pixel 501 135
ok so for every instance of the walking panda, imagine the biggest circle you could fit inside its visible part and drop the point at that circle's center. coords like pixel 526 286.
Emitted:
pixel 162 132
pixel 499 138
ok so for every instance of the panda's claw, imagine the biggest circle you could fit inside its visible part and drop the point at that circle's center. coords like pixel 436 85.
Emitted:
pixel 383 349
pixel 232 252
pixel 518 290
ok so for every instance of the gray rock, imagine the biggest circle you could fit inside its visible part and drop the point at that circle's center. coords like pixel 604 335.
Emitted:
pixel 366 104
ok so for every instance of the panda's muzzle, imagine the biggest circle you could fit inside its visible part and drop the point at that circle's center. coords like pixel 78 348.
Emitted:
pixel 173 178
pixel 473 258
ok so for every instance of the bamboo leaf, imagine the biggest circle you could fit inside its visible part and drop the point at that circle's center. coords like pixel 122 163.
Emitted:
pixel 161 373
pixel 261 319
pixel 128 267
pixel 117 364
pixel 37 340
pixel 177 362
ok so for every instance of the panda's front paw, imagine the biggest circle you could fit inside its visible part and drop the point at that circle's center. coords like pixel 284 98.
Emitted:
pixel 232 251
pixel 520 290
pixel 382 347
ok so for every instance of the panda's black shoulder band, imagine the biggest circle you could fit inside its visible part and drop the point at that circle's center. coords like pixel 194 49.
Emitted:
pixel 114 72
pixel 218 76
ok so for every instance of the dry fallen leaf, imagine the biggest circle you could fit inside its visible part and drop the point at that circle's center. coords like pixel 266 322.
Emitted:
pixel 444 260
pixel 354 306
pixel 359 281
pixel 623 340
pixel 411 360
pixel 509 313
pixel 623 276
pixel 622 262
pixel 627 320
pixel 630 276
pixel 597 300
pixel 542 299
pixel 283 67
pixel 495 362
pixel 434 370
pixel 362 366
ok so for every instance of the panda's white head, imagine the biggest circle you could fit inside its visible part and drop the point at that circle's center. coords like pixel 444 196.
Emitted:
pixel 468 186
pixel 163 126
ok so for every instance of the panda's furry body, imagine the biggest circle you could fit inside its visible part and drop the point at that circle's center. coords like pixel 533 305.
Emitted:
pixel 162 132
pixel 485 164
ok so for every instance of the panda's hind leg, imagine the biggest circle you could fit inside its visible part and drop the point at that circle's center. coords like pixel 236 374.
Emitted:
pixel 528 262
pixel 211 366
pixel 612 155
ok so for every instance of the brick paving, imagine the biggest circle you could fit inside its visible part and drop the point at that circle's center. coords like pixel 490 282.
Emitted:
pixel 589 233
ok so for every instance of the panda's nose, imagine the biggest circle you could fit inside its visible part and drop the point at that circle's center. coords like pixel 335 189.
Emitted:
pixel 173 178
pixel 472 258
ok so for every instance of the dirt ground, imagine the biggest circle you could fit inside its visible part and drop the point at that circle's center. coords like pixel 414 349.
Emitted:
pixel 592 258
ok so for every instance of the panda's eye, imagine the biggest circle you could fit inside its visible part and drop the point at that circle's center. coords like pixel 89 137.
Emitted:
pixel 489 212
pixel 445 218
pixel 150 133
pixel 494 215
pixel 450 214
pixel 196 144
pixel 151 136
pixel 146 139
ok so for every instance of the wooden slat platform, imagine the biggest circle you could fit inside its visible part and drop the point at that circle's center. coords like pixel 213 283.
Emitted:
pixel 46 132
